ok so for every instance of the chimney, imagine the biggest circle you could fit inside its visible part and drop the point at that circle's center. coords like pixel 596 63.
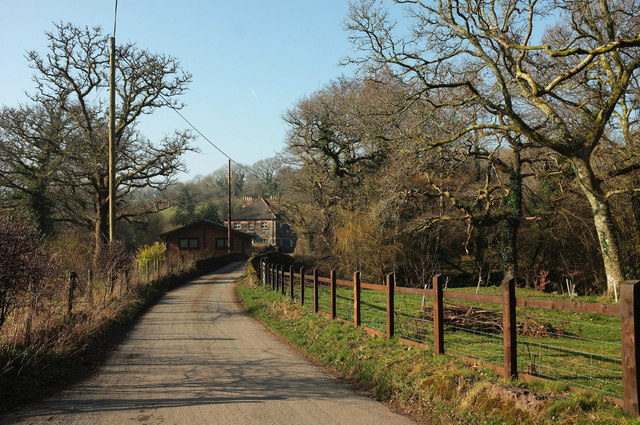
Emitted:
pixel 246 200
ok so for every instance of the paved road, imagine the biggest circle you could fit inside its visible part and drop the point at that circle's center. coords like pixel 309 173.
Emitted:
pixel 197 358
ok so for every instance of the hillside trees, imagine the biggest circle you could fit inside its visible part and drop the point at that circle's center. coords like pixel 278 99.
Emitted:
pixel 263 177
pixel 71 87
pixel 559 94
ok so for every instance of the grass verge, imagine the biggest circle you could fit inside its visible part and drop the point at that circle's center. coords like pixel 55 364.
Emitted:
pixel 441 390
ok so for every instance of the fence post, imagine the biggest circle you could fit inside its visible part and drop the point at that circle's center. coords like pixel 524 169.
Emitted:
pixel 630 332
pixel 301 285
pixel 509 328
pixel 357 320
pixel 390 304
pixel 270 275
pixel 438 316
pixel 72 289
pixel 261 272
pixel 333 294
pixel 315 290
pixel 274 277
pixel 90 287
pixel 277 275
pixel 282 287
pixel 291 294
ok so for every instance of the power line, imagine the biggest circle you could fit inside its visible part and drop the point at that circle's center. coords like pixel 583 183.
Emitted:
pixel 250 171
pixel 115 15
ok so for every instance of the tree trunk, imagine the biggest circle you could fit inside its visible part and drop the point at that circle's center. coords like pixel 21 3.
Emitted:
pixel 603 221
pixel 635 209
pixel 511 224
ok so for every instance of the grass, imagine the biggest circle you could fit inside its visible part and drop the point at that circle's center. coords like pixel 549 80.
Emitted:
pixel 440 389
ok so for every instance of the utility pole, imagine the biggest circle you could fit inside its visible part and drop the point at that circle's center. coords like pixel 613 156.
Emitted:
pixel 229 213
pixel 112 134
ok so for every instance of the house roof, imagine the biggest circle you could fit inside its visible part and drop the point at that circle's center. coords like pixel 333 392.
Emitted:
pixel 207 223
pixel 260 209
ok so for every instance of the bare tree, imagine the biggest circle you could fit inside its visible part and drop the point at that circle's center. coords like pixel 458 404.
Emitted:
pixel 559 93
pixel 263 179
pixel 338 137
pixel 71 81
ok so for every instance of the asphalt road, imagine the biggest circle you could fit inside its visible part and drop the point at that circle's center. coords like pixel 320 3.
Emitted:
pixel 198 358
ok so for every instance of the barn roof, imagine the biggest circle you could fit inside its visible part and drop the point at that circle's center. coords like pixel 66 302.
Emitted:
pixel 207 223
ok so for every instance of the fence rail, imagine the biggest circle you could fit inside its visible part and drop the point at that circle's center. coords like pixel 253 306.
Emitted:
pixel 504 332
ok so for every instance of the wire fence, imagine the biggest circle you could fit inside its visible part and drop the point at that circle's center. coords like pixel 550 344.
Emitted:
pixel 474 330
pixel 373 310
pixel 557 341
pixel 582 350
pixel 344 304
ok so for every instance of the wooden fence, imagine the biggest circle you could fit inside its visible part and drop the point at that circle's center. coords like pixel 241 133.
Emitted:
pixel 276 277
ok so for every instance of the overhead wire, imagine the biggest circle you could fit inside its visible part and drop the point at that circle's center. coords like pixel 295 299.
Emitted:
pixel 115 15
pixel 244 167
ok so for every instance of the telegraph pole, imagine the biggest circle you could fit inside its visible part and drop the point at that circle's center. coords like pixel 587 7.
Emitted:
pixel 112 125
pixel 229 213
pixel 112 134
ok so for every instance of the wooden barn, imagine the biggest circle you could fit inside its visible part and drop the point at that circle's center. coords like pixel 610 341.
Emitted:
pixel 203 239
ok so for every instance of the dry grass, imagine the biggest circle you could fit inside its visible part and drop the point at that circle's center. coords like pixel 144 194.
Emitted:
pixel 44 348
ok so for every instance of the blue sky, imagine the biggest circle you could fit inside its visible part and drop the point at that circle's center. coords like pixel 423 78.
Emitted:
pixel 250 61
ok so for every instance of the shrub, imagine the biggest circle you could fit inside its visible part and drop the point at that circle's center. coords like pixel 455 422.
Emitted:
pixel 149 255
pixel 24 263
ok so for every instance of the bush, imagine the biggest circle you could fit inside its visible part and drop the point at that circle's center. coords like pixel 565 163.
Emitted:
pixel 24 263
pixel 149 255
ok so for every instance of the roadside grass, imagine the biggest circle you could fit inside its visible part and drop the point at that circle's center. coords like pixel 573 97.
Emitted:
pixel 441 389
pixel 40 371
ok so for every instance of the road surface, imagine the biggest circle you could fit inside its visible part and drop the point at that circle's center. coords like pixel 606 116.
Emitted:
pixel 197 358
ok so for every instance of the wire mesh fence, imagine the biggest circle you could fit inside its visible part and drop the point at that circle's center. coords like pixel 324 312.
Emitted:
pixel 553 341
pixel 344 303
pixel 414 318
pixel 582 350
pixel 373 309
pixel 308 293
pixel 324 297
pixel 474 330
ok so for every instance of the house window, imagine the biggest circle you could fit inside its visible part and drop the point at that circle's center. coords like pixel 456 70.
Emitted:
pixel 221 243
pixel 264 241
pixel 264 226
pixel 237 226
pixel 251 226
pixel 188 243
